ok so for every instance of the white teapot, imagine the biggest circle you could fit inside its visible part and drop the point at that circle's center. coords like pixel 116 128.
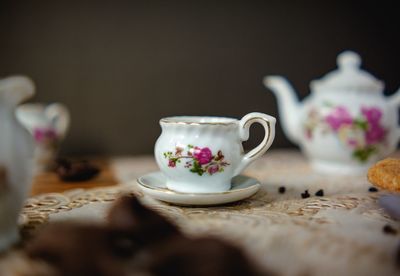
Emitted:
pixel 346 123
pixel 16 157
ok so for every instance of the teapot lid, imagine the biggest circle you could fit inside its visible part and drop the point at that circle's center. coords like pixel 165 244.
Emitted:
pixel 348 76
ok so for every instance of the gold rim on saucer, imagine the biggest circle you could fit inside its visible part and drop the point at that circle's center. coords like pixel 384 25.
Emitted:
pixel 168 191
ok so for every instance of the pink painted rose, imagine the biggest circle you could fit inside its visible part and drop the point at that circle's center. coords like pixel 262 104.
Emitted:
pixel 309 134
pixel 339 117
pixel 44 134
pixel 374 134
pixel 213 169
pixel 171 163
pixel 352 142
pixel 203 155
pixel 372 114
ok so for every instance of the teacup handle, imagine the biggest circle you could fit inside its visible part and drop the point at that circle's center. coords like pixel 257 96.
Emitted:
pixel 268 122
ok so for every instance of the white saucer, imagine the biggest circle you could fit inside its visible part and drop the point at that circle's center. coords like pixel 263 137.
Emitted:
pixel 153 184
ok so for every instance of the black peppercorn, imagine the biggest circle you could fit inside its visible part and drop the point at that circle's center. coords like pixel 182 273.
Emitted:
pixel 388 229
pixel 305 194
pixel 373 189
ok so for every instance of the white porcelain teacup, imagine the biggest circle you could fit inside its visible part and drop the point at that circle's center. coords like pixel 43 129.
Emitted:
pixel 202 154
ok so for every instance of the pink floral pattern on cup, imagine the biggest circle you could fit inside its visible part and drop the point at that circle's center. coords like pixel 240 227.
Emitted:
pixel 197 160
pixel 362 134
pixel 202 155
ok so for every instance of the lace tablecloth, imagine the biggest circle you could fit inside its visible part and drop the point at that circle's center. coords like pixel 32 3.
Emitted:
pixel 340 233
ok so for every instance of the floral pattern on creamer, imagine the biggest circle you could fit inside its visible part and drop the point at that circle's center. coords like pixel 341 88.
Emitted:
pixel 44 135
pixel 362 134
pixel 197 160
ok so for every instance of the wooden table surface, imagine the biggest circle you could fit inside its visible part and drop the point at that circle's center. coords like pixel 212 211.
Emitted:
pixel 49 182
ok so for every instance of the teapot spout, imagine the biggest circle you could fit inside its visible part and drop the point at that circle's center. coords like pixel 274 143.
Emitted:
pixel 288 106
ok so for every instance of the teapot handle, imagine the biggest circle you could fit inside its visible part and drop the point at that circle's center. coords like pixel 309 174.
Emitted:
pixel 268 122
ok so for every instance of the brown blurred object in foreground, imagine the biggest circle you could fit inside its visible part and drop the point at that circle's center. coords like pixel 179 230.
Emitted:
pixel 135 241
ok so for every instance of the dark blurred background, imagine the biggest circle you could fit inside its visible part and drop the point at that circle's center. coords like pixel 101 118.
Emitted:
pixel 121 65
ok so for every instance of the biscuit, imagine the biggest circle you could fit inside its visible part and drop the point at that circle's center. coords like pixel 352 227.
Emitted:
pixel 386 174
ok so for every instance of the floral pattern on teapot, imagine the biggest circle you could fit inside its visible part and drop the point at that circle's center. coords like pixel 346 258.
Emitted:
pixel 363 134
pixel 199 160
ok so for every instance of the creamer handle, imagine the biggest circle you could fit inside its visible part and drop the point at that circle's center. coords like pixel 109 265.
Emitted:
pixel 60 117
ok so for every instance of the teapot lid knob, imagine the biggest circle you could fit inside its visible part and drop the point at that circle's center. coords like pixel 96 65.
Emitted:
pixel 349 76
pixel 348 60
